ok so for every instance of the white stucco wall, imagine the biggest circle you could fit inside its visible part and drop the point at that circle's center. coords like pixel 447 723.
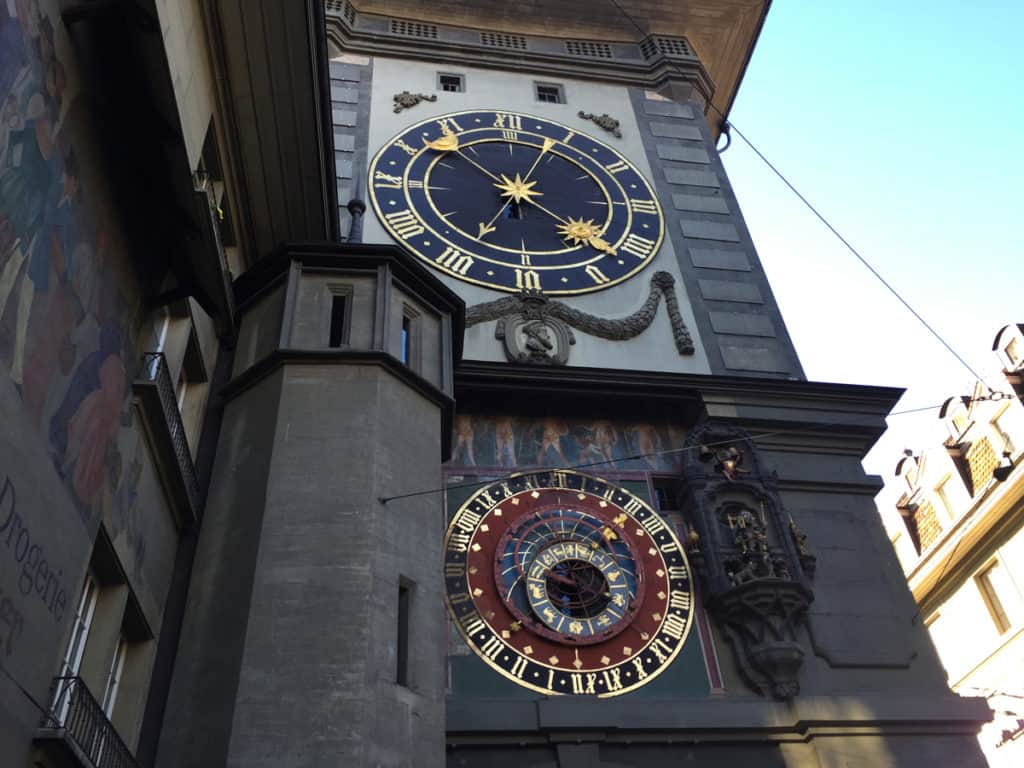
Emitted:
pixel 654 349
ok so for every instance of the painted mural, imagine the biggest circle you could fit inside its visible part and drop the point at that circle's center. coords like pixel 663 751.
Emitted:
pixel 510 441
pixel 65 351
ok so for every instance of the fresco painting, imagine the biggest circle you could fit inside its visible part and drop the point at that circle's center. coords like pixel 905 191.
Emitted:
pixel 503 441
pixel 63 278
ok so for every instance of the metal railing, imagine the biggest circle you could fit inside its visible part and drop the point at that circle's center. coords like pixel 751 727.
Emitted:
pixel 155 371
pixel 85 724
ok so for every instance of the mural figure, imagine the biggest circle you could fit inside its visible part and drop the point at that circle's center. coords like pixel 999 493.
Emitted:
pixel 505 442
pixel 553 430
pixel 462 452
pixel 63 314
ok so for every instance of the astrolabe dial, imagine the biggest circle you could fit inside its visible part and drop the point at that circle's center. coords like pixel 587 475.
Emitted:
pixel 567 584
pixel 513 201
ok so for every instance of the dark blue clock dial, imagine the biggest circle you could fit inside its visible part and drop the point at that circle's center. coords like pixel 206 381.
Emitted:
pixel 514 202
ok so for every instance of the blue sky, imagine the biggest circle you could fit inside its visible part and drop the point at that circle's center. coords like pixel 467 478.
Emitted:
pixel 902 122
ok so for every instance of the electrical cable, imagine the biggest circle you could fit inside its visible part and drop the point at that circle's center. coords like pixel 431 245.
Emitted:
pixel 820 216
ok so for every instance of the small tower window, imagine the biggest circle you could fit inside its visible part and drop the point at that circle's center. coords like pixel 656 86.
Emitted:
pixel 338 314
pixel 409 349
pixel 337 334
pixel 402 639
pixel 451 83
pixel 550 93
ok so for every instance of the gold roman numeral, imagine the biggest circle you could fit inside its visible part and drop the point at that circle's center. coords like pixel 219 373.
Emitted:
pixel 596 274
pixel 654 524
pixel 674 626
pixel 518 667
pixel 633 506
pixel 458 542
pixel 472 624
pixel 677 572
pixel 454 570
pixel 492 647
pixel 616 167
pixel 466 520
pixel 528 279
pixel 583 684
pixel 508 120
pixel 386 180
pixel 510 136
pixel 404 223
pixel 448 123
pixel 411 151
pixel 680 600
pixel 455 260
pixel 640 247
pixel 641 673
pixel 643 206
pixel 660 650
pixel 414 184
pixel 612 679
pixel 569 137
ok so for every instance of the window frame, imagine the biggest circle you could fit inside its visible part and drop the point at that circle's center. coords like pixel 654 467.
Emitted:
pixel 559 90
pixel 335 291
pixel 85 610
pixel 990 597
pixel 409 346
pixel 441 85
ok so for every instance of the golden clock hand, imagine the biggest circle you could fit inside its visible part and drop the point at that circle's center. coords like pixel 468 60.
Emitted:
pixel 580 231
pixel 474 163
pixel 548 144
pixel 516 190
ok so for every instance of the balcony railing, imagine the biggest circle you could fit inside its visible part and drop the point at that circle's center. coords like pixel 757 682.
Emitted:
pixel 163 420
pixel 78 721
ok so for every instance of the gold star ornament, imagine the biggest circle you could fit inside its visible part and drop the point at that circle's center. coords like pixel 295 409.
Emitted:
pixel 517 189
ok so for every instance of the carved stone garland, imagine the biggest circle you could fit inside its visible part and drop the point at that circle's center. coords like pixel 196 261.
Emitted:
pixel 537 329
pixel 752 559
pixel 406 100
pixel 605 121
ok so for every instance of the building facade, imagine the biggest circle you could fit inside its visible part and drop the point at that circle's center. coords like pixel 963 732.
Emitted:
pixel 398 384
pixel 957 529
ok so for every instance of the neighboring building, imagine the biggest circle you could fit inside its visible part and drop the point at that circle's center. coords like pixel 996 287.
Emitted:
pixel 413 393
pixel 961 544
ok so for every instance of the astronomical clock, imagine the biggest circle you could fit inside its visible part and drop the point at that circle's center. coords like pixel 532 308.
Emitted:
pixel 511 202
pixel 567 584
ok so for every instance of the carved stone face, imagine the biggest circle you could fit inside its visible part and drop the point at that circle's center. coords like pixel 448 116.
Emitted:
pixel 530 340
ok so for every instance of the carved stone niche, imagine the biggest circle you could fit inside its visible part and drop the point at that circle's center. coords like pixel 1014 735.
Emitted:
pixel 750 556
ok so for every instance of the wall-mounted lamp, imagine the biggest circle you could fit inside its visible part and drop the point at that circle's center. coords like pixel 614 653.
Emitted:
pixel 1004 469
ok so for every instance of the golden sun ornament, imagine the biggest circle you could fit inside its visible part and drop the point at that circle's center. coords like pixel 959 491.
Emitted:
pixel 580 231
pixel 517 189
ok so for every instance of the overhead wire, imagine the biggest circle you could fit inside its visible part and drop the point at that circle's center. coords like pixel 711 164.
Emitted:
pixel 651 454
pixel 821 217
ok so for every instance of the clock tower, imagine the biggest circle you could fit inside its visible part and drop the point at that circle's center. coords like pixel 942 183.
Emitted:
pixel 519 466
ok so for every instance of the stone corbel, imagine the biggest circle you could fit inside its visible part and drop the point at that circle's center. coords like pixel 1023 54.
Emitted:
pixel 760 620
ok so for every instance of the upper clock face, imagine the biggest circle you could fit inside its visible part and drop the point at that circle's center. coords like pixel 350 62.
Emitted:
pixel 567 584
pixel 512 201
